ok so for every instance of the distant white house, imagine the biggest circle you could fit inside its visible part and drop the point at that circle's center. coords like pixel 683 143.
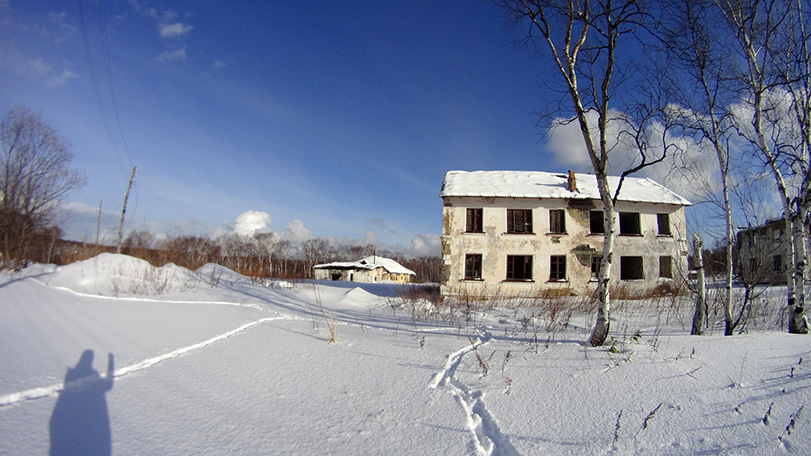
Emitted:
pixel 520 232
pixel 368 270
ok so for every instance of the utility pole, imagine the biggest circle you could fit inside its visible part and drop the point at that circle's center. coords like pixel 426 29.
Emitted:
pixel 124 209
pixel 98 224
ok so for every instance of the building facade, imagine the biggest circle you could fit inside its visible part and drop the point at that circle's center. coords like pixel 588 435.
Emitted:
pixel 760 253
pixel 510 233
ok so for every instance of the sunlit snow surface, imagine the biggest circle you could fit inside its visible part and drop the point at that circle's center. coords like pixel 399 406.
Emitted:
pixel 208 362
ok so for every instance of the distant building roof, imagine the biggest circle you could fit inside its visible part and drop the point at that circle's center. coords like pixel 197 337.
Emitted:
pixel 538 184
pixel 370 263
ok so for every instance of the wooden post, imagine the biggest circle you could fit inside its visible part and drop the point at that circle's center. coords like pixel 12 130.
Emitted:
pixel 124 209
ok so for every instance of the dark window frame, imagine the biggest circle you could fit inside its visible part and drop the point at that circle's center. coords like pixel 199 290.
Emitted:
pixel 596 226
pixel 557 221
pixel 595 266
pixel 627 268
pixel 666 267
pixel 777 263
pixel 473 266
pixel 474 220
pixel 519 221
pixel 519 268
pixel 630 224
pixel 557 268
pixel 663 222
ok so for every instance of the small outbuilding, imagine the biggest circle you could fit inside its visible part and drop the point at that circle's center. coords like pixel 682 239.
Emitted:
pixel 368 270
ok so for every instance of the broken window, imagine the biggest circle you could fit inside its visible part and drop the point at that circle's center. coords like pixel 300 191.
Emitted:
pixel 629 223
pixel 519 267
pixel 473 223
pixel 519 221
pixel 631 268
pixel 557 268
pixel 664 224
pixel 596 219
pixel 666 267
pixel 473 266
pixel 557 221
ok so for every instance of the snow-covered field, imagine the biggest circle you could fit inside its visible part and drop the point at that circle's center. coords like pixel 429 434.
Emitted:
pixel 207 362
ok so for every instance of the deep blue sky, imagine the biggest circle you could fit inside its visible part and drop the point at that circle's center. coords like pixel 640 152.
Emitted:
pixel 342 115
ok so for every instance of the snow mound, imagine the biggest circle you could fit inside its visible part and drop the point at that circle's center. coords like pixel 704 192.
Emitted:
pixel 32 270
pixel 358 297
pixel 214 274
pixel 110 274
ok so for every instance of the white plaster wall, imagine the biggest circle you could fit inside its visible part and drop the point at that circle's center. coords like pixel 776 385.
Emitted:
pixel 495 245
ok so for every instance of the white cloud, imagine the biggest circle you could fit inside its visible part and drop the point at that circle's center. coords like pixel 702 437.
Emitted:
pixel 64 30
pixel 296 233
pixel 251 222
pixel 174 30
pixel 60 80
pixel 218 64
pixel 177 54
pixel 369 238
pixel 33 66
pixel 690 168
pixel 424 245
pixel 79 222
pixel 381 223
pixel 565 141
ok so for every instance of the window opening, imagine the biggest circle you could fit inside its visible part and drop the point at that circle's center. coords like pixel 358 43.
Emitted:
pixel 473 267
pixel 631 268
pixel 557 268
pixel 557 221
pixel 519 220
pixel 664 224
pixel 473 222
pixel 519 267
pixel 666 267
pixel 596 219
pixel 629 223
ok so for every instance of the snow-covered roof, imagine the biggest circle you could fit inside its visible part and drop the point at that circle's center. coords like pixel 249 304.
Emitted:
pixel 538 184
pixel 370 263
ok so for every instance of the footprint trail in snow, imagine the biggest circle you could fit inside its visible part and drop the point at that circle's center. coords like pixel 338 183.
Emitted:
pixel 487 436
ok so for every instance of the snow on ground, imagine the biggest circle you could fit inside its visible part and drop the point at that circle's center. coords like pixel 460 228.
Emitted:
pixel 208 362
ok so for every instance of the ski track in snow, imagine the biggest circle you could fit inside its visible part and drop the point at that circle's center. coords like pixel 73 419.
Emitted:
pixel 147 299
pixel 487 436
pixel 47 391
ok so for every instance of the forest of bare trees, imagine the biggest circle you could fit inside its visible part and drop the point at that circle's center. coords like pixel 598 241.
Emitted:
pixel 258 256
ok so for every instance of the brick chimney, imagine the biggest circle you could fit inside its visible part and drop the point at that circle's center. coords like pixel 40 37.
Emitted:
pixel 572 182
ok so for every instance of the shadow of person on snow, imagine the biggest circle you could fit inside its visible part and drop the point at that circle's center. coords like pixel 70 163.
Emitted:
pixel 80 424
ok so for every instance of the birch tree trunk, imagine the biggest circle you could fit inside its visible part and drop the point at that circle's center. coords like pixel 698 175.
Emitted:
pixel 798 324
pixel 603 324
pixel 701 293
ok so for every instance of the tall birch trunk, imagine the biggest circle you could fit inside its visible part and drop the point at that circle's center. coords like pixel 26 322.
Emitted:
pixel 798 324
pixel 603 323
pixel 701 298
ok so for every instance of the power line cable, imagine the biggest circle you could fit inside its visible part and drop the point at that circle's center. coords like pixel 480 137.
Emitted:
pixel 95 83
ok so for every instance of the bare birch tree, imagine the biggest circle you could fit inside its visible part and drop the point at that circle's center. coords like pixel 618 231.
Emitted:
pixel 582 39
pixel 773 44
pixel 699 80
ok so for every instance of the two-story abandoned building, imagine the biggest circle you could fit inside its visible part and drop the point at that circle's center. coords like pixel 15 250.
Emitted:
pixel 515 233
pixel 760 253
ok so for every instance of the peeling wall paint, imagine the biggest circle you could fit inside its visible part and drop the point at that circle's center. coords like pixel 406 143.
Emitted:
pixel 577 244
